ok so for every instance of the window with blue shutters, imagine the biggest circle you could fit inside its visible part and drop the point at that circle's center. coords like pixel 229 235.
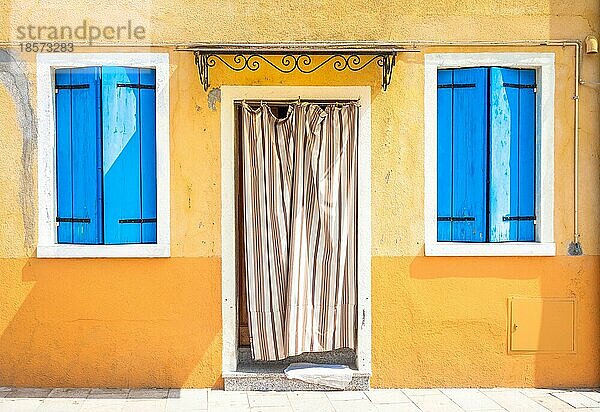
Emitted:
pixel 486 147
pixel 106 155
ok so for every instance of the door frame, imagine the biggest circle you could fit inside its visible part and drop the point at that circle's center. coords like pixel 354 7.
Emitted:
pixel 231 94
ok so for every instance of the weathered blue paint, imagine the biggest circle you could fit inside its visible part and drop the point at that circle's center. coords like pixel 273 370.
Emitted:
pixel 78 154
pixel 121 152
pixel 129 149
pixel 504 154
pixel 147 113
pixel 512 155
pixel 527 143
pixel 486 189
pixel 469 160
pixel 444 154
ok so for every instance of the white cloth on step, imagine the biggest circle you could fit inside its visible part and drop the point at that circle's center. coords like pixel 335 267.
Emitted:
pixel 333 376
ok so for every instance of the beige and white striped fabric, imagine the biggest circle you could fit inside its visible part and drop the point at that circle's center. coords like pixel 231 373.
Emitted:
pixel 299 200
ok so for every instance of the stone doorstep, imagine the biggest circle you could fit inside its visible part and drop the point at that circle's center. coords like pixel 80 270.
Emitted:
pixel 277 381
pixel 254 375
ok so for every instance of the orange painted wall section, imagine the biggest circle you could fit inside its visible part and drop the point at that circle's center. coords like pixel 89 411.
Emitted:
pixel 107 323
pixel 436 321
pixel 445 321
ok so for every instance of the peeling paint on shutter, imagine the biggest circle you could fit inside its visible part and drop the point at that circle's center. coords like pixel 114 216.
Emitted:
pixel 512 155
pixel 129 149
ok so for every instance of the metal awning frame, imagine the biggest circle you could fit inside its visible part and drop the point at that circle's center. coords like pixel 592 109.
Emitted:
pixel 290 57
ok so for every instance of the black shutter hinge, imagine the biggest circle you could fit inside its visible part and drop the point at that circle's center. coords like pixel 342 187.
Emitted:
pixel 70 87
pixel 456 86
pixel 521 86
pixel 517 218
pixel 136 86
pixel 455 219
pixel 147 220
pixel 73 219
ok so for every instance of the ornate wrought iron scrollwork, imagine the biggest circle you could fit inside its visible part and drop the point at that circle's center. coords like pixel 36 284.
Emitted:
pixel 291 62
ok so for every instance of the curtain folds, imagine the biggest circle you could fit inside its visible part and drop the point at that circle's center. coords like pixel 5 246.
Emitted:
pixel 299 179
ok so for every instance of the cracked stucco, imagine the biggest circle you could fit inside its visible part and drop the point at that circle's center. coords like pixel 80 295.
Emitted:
pixel 214 96
pixel 13 76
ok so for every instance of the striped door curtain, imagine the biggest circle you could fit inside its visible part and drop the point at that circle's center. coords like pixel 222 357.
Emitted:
pixel 299 179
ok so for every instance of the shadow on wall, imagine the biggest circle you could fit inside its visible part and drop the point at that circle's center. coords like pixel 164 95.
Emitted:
pixel 469 310
pixel 108 322
pixel 576 20
pixel 521 268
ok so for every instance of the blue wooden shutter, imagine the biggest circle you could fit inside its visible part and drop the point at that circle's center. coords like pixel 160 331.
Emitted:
pixel 527 150
pixel 78 155
pixel 148 152
pixel 129 150
pixel 444 154
pixel 462 137
pixel 512 155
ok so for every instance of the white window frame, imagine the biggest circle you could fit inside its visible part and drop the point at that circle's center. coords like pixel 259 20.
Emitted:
pixel 543 63
pixel 230 94
pixel 47 246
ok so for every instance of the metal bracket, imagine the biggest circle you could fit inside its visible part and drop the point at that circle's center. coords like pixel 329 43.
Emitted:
pixel 455 219
pixel 289 62
pixel 73 219
pixel 144 220
pixel 387 63
pixel 456 86
pixel 70 87
pixel 135 86
pixel 520 86
pixel 517 218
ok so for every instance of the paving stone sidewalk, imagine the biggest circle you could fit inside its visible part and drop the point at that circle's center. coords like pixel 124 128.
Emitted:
pixel 171 400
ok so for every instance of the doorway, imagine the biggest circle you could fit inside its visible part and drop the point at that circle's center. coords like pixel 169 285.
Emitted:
pixel 235 326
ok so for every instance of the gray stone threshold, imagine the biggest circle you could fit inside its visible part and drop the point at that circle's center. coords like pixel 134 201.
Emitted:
pixel 254 375
pixel 265 381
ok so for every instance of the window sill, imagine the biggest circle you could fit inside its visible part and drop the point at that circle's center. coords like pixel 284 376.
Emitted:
pixel 104 251
pixel 490 249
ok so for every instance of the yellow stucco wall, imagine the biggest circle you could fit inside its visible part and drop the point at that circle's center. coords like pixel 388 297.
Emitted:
pixel 436 321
